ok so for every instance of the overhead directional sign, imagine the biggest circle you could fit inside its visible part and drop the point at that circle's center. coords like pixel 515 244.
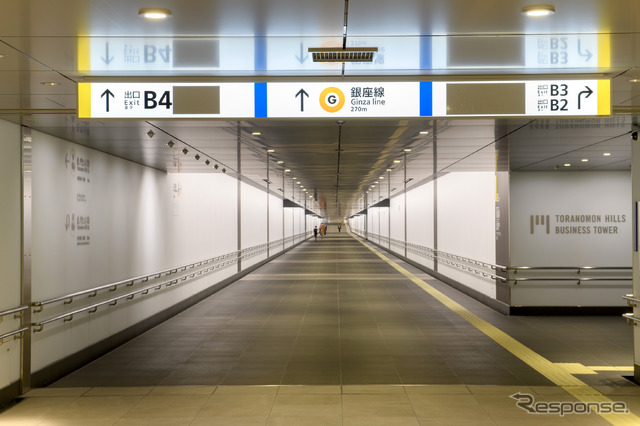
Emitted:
pixel 368 99
pixel 522 98
pixel 165 100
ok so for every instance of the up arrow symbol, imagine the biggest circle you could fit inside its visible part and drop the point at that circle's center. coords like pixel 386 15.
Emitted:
pixel 107 93
pixel 302 94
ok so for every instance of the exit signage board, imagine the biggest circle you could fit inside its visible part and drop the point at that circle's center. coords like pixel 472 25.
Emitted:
pixel 367 99
pixel 165 100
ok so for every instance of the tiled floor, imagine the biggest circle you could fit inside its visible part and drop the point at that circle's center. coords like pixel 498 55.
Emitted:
pixel 293 405
pixel 330 334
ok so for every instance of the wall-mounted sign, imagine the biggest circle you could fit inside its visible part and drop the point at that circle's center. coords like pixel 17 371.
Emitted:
pixel 369 99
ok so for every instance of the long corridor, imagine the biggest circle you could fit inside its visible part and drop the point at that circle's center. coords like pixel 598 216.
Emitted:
pixel 335 332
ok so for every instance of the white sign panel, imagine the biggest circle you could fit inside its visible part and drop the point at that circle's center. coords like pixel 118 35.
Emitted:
pixel 164 54
pixel 563 97
pixel 566 51
pixel 364 99
pixel 165 100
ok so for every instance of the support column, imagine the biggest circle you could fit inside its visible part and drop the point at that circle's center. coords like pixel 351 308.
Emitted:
pixel 635 194
pixel 25 359
pixel 389 215
pixel 503 250
pixel 435 195
pixel 239 180
pixel 268 209
pixel 404 183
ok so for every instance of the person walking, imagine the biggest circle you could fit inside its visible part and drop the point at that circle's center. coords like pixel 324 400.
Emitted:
pixel 339 228
pixel 315 233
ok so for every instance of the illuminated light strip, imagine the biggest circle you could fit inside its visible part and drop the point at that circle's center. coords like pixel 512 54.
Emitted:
pixel 604 50
pixel 604 97
pixel 84 54
pixel 84 100
pixel 550 370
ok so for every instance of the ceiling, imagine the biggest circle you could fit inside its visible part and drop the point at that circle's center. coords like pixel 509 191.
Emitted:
pixel 70 41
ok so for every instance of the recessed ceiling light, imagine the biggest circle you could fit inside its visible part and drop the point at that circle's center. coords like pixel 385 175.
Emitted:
pixel 424 132
pixel 271 150
pixel 280 162
pixel 567 164
pixel 634 80
pixel 256 133
pixel 287 170
pixel 607 154
pixel 389 170
pixel 407 150
pixel 381 177
pixel 154 13
pixel 396 161
pixel 294 178
pixel 585 160
pixel 1 56
pixel 298 183
pixel 539 10
pixel 50 83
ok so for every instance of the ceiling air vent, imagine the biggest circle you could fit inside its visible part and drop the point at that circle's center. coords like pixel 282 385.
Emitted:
pixel 338 54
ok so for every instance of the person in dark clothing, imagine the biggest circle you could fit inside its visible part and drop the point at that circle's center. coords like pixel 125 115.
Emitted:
pixel 339 228
pixel 315 233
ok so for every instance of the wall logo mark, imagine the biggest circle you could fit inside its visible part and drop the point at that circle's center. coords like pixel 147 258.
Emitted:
pixel 539 220
pixel 332 99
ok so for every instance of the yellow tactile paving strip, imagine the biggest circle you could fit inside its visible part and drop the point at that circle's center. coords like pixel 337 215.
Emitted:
pixel 559 375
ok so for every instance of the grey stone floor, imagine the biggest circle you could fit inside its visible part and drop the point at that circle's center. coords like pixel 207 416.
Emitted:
pixel 330 312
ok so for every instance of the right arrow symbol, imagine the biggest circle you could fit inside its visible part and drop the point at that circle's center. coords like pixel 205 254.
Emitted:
pixel 107 93
pixel 302 94
pixel 588 92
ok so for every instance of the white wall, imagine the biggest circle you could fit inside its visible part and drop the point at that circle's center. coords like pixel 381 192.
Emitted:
pixel 254 221
pixel 276 212
pixel 140 220
pixel 299 222
pixel 466 224
pixel 10 252
pixel 397 218
pixel 124 205
pixel 420 219
pixel 598 202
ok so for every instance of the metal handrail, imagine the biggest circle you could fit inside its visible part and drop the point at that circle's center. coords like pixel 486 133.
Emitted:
pixel 18 334
pixel 13 311
pixel 440 255
pixel 92 292
pixel 68 316
pixel 233 257
pixel 631 299
pixel 631 320
pixel 578 268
